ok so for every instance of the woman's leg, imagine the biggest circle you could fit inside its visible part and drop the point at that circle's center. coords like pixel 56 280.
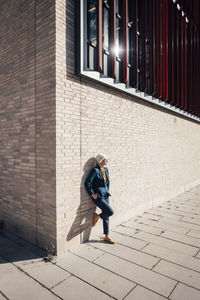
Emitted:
pixel 107 211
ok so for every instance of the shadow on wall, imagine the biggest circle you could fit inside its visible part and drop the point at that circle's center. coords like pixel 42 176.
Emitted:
pixel 82 224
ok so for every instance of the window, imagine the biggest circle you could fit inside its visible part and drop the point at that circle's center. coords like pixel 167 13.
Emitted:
pixel 150 46
pixel 92 27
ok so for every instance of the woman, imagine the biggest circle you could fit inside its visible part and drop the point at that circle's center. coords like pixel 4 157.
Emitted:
pixel 97 185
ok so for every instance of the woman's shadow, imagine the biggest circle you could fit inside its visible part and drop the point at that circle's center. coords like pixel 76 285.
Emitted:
pixel 82 224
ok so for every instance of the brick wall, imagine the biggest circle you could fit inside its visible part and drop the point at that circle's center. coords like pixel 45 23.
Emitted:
pixel 27 119
pixel 53 123
pixel 153 154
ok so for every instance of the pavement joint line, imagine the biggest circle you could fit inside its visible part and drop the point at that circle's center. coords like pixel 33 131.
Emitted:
pixel 130 279
pixel 61 282
pixel 4 295
pixel 167 239
pixel 170 213
pixel 178 280
pixel 145 247
pixel 197 254
pixel 156 263
pixel 157 225
pixel 112 297
pixel 184 208
pixel 190 223
pixel 180 225
pixel 172 262
pixel 129 292
pixel 171 239
pixel 189 232
pixel 99 256
pixel 125 258
pixel 132 263
pixel 71 251
pixel 21 270
pixel 173 290
pixel 123 233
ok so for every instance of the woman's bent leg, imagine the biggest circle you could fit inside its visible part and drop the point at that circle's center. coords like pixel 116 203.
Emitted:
pixel 107 211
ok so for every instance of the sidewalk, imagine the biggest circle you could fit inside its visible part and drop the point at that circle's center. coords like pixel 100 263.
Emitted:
pixel 157 256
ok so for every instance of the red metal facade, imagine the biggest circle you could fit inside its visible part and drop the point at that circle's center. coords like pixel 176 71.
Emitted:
pixel 163 36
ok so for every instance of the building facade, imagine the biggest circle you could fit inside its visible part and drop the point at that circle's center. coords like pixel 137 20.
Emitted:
pixel 82 77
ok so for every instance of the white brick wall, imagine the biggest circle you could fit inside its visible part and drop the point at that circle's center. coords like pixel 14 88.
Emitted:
pixel 153 154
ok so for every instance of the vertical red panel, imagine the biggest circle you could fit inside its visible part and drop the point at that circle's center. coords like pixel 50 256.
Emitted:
pixel 189 64
pixel 185 75
pixel 113 38
pixel 195 69
pixel 198 63
pixel 191 72
pixel 153 45
pixel 158 74
pixel 182 62
pixel 151 58
pixel 165 49
pixel 173 54
pixel 178 54
pixel 136 45
pixel 125 29
pixel 100 26
pixel 144 71
pixel 161 48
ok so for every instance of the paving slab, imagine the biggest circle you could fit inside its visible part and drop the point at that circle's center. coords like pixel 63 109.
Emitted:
pixel 173 256
pixel 162 226
pixel 194 233
pixel 16 285
pixel 2 297
pixel 131 255
pixel 125 230
pixel 149 216
pixel 191 220
pixel 198 255
pixel 131 242
pixel 181 224
pixel 147 278
pixel 140 293
pixel 180 210
pixel 161 241
pixel 156 256
pixel 181 238
pixel 46 273
pixel 136 226
pixel 87 252
pixel 184 292
pixel 186 206
pixel 112 284
pixel 168 214
pixel 74 288
pixel 178 273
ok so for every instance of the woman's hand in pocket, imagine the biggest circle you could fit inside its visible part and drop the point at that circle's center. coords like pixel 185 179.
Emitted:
pixel 95 196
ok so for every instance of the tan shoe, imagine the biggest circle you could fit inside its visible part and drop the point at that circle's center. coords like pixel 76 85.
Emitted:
pixel 109 240
pixel 95 219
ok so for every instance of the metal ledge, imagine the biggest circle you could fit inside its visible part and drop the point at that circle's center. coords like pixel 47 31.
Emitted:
pixel 135 92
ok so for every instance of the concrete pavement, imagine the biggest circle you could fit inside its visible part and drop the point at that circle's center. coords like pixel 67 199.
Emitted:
pixel 156 257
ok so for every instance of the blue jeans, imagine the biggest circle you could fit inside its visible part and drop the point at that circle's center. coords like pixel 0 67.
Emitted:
pixel 107 211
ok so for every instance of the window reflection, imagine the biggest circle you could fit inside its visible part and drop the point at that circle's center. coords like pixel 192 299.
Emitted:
pixel 106 28
pixel 92 16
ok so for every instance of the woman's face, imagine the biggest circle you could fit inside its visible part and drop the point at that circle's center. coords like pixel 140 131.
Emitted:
pixel 103 163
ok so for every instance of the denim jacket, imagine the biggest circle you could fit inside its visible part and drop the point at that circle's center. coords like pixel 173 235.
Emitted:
pixel 95 183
